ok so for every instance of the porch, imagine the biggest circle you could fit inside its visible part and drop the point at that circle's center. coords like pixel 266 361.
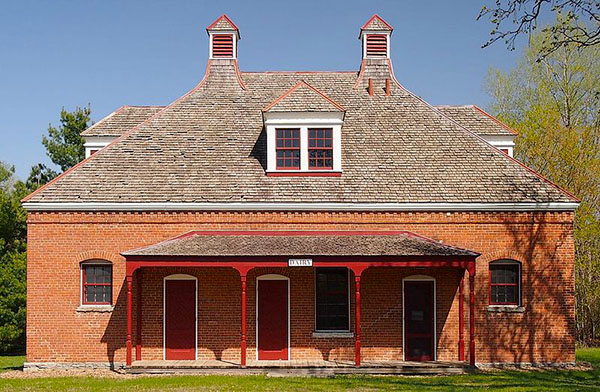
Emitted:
pixel 299 367
pixel 249 252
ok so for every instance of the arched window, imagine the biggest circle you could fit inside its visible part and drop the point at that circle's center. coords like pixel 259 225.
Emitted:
pixel 96 282
pixel 505 282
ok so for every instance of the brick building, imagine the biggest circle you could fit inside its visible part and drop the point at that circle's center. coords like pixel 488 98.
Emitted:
pixel 286 216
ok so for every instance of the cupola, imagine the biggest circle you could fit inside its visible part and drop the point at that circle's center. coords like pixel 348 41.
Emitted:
pixel 375 36
pixel 223 38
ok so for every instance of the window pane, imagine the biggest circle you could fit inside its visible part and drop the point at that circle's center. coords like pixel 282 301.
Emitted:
pixel 332 299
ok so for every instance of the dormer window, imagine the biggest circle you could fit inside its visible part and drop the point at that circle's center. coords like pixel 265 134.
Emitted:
pixel 288 148
pixel 304 130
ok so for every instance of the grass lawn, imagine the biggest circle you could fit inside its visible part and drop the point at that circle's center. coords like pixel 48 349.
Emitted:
pixel 549 380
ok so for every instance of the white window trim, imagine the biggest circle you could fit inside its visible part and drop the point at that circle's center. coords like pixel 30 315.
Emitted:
pixel 179 277
pixel 83 306
pixel 501 142
pixel 289 312
pixel 304 121
pixel 363 37
pixel 420 278
pixel 324 332
pixel 222 32
pixel 96 143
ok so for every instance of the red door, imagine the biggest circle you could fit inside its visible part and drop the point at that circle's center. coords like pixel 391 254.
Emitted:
pixel 180 319
pixel 272 319
pixel 418 321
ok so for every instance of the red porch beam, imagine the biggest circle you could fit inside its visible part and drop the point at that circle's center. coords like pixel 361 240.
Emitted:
pixel 129 279
pixel 472 315
pixel 138 344
pixel 461 319
pixel 243 345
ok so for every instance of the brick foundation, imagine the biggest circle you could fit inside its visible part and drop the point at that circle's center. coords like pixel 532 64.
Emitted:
pixel 542 242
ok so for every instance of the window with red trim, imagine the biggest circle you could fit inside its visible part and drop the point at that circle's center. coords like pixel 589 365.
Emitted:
pixel 287 146
pixel 96 280
pixel 505 283
pixel 222 45
pixel 320 148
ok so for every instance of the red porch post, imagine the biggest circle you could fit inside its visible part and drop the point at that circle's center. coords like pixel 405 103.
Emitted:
pixel 357 322
pixel 129 321
pixel 472 315
pixel 461 319
pixel 138 345
pixel 243 345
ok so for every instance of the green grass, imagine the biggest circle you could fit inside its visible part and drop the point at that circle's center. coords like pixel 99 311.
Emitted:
pixel 548 380
pixel 11 362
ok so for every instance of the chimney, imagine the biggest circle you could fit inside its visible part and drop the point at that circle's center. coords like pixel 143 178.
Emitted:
pixel 376 70
pixel 223 39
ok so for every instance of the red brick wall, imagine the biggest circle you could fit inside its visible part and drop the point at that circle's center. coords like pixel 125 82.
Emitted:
pixel 543 242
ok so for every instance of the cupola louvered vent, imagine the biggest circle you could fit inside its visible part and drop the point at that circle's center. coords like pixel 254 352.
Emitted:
pixel 222 45
pixel 376 45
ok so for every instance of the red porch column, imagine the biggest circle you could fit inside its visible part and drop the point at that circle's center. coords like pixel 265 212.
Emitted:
pixel 129 321
pixel 357 322
pixel 472 316
pixel 461 319
pixel 138 345
pixel 243 345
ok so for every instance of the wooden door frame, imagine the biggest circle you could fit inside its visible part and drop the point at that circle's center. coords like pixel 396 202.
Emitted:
pixel 420 278
pixel 289 310
pixel 179 277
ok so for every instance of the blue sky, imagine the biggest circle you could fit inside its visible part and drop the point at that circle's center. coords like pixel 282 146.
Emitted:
pixel 56 54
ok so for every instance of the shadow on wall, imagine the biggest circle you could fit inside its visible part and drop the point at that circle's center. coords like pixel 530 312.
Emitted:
pixel 545 331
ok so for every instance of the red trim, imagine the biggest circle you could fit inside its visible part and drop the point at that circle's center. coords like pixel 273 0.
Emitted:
pixel 222 45
pixel 305 174
pixel 243 343
pixel 224 16
pixel 295 136
pixel 503 125
pixel 364 27
pixel 85 284
pixel 461 319
pixel 129 321
pixel 472 316
pixel 302 83
pixel 138 345
pixel 517 284
pixel 377 45
pixel 357 321
pixel 324 138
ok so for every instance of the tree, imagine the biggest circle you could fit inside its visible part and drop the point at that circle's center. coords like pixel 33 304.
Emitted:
pixel 554 105
pixel 12 261
pixel 64 144
pixel 578 23
pixel 39 175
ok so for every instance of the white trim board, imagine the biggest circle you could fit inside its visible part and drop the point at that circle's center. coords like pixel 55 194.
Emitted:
pixel 179 277
pixel 289 310
pixel 420 278
pixel 256 206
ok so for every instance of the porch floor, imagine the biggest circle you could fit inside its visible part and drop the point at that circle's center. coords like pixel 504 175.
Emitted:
pixel 298 367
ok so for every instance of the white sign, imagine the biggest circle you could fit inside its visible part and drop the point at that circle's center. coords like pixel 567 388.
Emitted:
pixel 300 263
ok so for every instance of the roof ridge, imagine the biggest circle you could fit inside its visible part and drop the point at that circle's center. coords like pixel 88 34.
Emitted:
pixel 495 119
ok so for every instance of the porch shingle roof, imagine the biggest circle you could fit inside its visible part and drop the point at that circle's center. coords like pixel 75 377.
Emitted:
pixel 397 243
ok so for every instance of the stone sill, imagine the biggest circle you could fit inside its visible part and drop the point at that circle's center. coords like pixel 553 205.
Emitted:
pixel 95 309
pixel 323 334
pixel 505 309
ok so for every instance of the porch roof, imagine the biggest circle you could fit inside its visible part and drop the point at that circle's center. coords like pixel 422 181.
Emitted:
pixel 299 243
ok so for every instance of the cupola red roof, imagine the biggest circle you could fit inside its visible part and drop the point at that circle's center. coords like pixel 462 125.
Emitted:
pixel 377 23
pixel 223 23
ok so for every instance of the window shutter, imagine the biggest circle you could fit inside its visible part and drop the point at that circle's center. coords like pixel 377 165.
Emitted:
pixel 222 45
pixel 376 45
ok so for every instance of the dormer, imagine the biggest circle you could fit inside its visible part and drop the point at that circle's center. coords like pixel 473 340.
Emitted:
pixel 375 37
pixel 304 133
pixel 223 39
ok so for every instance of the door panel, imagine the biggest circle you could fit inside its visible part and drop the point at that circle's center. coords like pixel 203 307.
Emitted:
pixel 418 320
pixel 272 319
pixel 180 319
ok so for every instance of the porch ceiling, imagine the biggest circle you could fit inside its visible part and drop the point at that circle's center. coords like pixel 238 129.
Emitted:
pixel 295 243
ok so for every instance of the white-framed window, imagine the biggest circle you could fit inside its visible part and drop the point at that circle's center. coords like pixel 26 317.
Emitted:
pixel 308 143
